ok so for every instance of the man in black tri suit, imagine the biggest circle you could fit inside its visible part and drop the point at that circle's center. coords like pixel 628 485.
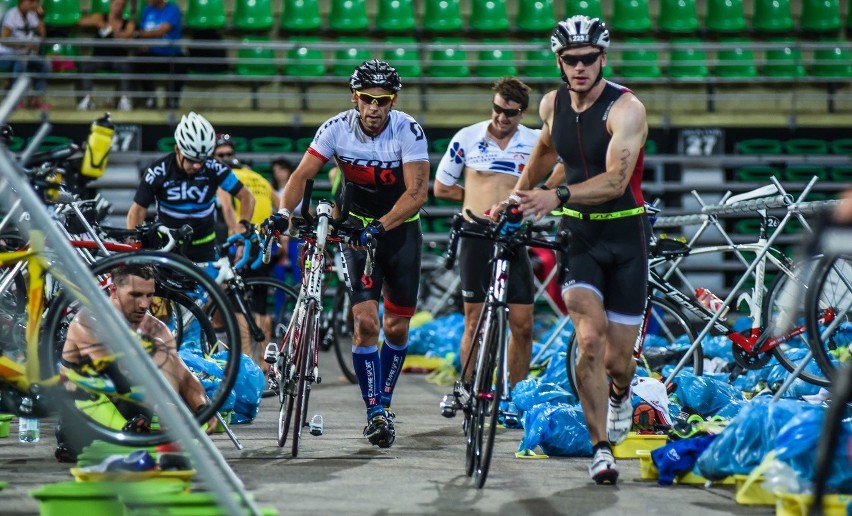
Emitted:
pixel 184 183
pixel 382 154
pixel 598 129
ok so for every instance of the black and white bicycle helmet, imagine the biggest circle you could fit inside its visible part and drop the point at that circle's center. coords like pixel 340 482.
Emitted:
pixel 195 137
pixel 579 31
pixel 375 74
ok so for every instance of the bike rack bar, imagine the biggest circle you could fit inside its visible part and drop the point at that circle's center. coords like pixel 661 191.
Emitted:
pixel 779 201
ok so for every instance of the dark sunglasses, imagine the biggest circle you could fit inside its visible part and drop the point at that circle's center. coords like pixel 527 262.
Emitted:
pixel 379 100
pixel 223 155
pixel 586 59
pixel 192 161
pixel 505 111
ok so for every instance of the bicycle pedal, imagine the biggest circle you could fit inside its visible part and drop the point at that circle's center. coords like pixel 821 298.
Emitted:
pixel 270 355
pixel 448 406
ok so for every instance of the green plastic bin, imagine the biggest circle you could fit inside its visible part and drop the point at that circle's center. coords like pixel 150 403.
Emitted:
pixel 96 498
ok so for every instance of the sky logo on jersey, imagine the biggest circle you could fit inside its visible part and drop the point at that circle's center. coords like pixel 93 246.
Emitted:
pixel 187 193
pixel 503 166
pixel 457 153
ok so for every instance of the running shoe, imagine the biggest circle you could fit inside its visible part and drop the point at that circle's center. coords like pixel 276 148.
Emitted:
pixel 603 468
pixel 380 431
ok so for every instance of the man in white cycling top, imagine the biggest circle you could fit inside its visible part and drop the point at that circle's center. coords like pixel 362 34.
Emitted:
pixel 383 156
pixel 491 155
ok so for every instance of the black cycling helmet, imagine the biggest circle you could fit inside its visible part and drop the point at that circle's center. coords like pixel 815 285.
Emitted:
pixel 579 31
pixel 224 139
pixel 375 74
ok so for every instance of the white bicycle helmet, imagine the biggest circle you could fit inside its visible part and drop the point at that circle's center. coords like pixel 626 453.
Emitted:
pixel 195 137
pixel 579 31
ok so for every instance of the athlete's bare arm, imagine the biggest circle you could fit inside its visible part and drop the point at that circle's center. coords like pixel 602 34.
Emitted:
pixel 452 192
pixel 543 156
pixel 557 177
pixel 136 215
pixel 247 201
pixel 629 129
pixel 416 175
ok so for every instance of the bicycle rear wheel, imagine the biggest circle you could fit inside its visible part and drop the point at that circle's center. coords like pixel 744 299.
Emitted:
pixel 779 301
pixel 181 283
pixel 471 410
pixel 828 314
pixel 663 321
pixel 308 340
pixel 342 328
pixel 286 368
pixel 488 391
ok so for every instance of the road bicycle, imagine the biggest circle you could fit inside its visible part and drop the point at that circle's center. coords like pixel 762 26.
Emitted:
pixel 487 364
pixel 295 358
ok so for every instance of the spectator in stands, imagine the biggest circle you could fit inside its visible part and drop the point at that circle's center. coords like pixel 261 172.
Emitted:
pixel 265 199
pixel 479 169
pixel 598 128
pixel 111 25
pixel 25 21
pixel 160 20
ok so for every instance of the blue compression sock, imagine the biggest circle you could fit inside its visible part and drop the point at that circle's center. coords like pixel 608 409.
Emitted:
pixel 392 357
pixel 368 369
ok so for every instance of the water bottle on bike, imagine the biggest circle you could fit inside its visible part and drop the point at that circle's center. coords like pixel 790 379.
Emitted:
pixel 711 301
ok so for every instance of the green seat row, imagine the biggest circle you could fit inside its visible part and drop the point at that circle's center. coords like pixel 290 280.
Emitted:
pixel 800 173
pixel 811 146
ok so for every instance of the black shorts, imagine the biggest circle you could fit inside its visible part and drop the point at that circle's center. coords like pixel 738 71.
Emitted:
pixel 396 270
pixel 611 257
pixel 475 267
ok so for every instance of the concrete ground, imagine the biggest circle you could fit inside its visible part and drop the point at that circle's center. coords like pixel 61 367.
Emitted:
pixel 423 473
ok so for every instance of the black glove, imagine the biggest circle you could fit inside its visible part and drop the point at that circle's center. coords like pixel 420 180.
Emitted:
pixel 251 230
pixel 277 223
pixel 374 228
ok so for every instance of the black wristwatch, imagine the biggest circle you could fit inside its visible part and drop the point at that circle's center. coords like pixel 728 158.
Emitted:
pixel 563 193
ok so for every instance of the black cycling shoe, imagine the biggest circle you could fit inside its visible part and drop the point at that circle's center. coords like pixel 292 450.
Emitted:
pixel 380 431
pixel 65 454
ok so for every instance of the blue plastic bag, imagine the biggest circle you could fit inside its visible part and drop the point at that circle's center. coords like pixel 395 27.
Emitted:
pixel 706 396
pixel 531 392
pixel 559 429
pixel 747 439
pixel 248 390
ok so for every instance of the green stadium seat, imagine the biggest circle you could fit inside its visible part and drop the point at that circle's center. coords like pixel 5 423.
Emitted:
pixel 772 16
pixel 303 61
pixel 352 54
pixel 758 146
pixel 686 61
pixel 271 144
pixel 442 16
pixel 63 57
pixel 300 16
pixel 404 57
pixel 253 15
pixel 735 62
pixel 809 146
pixel 495 62
pixel 255 61
pixel 841 173
pixel 820 16
pixel 450 61
pixel 98 6
pixel 747 227
pixel 440 145
pixel 535 17
pixel 348 17
pixel 240 143
pixel 650 147
pixel 395 16
pixel 53 141
pixel 725 16
pixel 61 13
pixel 843 146
pixel 632 16
pixel 17 144
pixel 804 173
pixel 832 62
pixel 166 144
pixel 785 62
pixel 756 173
pixel 638 62
pixel 489 16
pixel 205 14
pixel 590 8
pixel 302 144
pixel 539 64
pixel 678 17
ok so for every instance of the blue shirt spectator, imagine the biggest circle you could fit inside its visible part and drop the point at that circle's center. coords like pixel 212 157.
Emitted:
pixel 161 20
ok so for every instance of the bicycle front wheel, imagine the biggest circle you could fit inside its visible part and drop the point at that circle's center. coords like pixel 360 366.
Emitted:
pixel 829 312
pixel 308 340
pixel 488 391
pixel 665 326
